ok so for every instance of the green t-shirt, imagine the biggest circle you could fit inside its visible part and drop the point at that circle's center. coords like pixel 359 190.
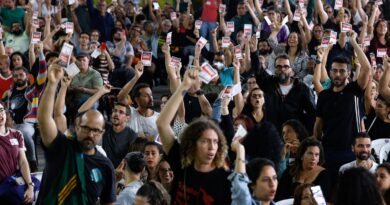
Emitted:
pixel 10 16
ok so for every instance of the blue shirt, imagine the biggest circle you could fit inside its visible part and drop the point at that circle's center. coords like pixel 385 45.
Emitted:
pixel 104 24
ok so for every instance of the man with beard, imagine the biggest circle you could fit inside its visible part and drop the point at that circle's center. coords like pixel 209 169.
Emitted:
pixel 118 136
pixel 17 39
pixel 339 110
pixel 11 13
pixel 362 150
pixel 143 118
pixel 75 173
pixel 121 48
pixel 285 97
pixel 23 100
pixel 101 19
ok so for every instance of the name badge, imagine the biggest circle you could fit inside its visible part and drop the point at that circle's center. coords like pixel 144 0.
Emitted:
pixel 14 141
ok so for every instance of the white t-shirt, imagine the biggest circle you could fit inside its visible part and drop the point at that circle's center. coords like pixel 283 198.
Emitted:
pixel 353 164
pixel 143 125
pixel 285 88
pixel 127 196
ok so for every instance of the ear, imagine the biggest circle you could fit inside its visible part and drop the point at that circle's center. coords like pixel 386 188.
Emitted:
pixel 352 147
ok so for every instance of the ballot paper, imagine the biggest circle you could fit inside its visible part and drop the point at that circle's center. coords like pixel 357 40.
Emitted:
pixel 297 15
pixel 175 62
pixel 169 38
pixel 238 52
pixel 35 37
pixel 325 41
pixel 267 20
pixel 225 42
pixel 373 59
pixel 65 54
pixel 156 6
pixel 69 27
pixel 207 73
pixel 95 53
pixel 173 16
pixel 248 29
pixel 240 133
pixel 380 52
pixel 338 4
pixel 230 26
pixel 345 27
pixel 146 58
pixel 198 24
pixel 222 8
pixel 201 42
pixel 285 20
pixel 72 70
pixel 318 195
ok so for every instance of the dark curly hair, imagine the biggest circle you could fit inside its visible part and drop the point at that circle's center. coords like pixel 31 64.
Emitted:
pixel 190 136
pixel 298 163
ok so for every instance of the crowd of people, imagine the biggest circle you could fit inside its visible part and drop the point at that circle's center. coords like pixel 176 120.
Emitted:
pixel 269 100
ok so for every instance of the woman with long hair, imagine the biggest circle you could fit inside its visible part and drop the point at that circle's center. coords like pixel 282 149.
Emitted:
pixel 383 179
pixel 307 168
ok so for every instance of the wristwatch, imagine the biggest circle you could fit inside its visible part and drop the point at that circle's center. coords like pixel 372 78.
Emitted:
pixel 31 184
pixel 318 61
pixel 199 92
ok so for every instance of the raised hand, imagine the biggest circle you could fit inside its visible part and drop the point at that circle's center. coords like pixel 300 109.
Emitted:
pixel 139 69
pixel 66 80
pixel 190 78
pixel 106 88
pixel 55 73
pixel 165 48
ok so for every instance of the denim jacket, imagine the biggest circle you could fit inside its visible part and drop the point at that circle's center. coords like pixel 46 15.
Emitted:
pixel 240 190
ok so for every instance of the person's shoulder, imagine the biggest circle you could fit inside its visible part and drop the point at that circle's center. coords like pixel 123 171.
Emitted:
pixel 347 166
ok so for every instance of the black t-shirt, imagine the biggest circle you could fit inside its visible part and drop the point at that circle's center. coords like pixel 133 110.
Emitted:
pixel 377 129
pixel 197 187
pixel 192 105
pixel 98 171
pixel 117 145
pixel 18 105
pixel 339 112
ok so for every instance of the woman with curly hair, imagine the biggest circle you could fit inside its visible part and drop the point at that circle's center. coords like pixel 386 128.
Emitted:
pixel 198 161
pixel 383 179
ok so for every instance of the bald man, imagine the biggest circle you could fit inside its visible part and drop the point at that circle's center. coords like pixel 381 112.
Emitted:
pixel 75 173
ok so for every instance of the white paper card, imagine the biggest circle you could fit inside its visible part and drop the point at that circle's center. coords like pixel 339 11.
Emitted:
pixel 373 59
pixel 222 8
pixel 175 62
pixel 241 132
pixel 230 26
pixel 156 6
pixel 225 42
pixel 285 20
pixel 72 69
pixel 380 52
pixel 173 16
pixel 318 195
pixel 267 20
pixel 236 89
pixel 207 73
pixel 338 4
pixel 69 27
pixel 169 38
pixel 146 58
pixel 65 54
pixel 95 53
pixel 71 2
pixel 35 37
pixel 238 52
pixel 297 15
pixel 198 24
pixel 201 42
pixel 346 27
pixel 248 29
pixel 325 41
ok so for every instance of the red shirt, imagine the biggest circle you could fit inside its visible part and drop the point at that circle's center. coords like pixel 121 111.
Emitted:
pixel 210 11
pixel 10 145
pixel 5 84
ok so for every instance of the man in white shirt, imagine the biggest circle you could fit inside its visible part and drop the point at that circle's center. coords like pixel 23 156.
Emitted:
pixel 362 150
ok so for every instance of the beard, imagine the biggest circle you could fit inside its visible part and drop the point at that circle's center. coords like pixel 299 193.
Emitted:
pixel 282 78
pixel 363 155
pixel 337 82
pixel 87 144
pixel 17 32
pixel 263 52
pixel 20 83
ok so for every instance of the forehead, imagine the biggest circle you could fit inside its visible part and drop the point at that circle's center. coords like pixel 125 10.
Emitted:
pixel 146 90
pixel 92 122
pixel 208 134
pixel 363 140
pixel 312 149
pixel 84 35
pixel 267 171
pixel 150 148
pixel 257 91
pixel 283 61
pixel 339 65
pixel 18 72
pixel 119 107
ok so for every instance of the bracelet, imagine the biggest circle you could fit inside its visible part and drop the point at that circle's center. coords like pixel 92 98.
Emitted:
pixel 240 160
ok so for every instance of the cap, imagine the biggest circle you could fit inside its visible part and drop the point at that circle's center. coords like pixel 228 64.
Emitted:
pixel 82 55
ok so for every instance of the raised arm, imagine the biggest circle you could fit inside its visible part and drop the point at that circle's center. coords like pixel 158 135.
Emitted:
pixel 258 9
pixel 167 114
pixel 238 99
pixel 252 13
pixel 288 11
pixel 139 69
pixel 361 11
pixel 365 64
pixel 384 83
pixel 94 98
pixel 47 125
pixel 371 21
pixel 317 72
pixel 321 12
pixel 59 105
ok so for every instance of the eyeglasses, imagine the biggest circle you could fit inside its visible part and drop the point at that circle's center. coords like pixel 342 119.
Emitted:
pixel 317 31
pixel 94 131
pixel 251 82
pixel 341 71
pixel 2 110
pixel 280 67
